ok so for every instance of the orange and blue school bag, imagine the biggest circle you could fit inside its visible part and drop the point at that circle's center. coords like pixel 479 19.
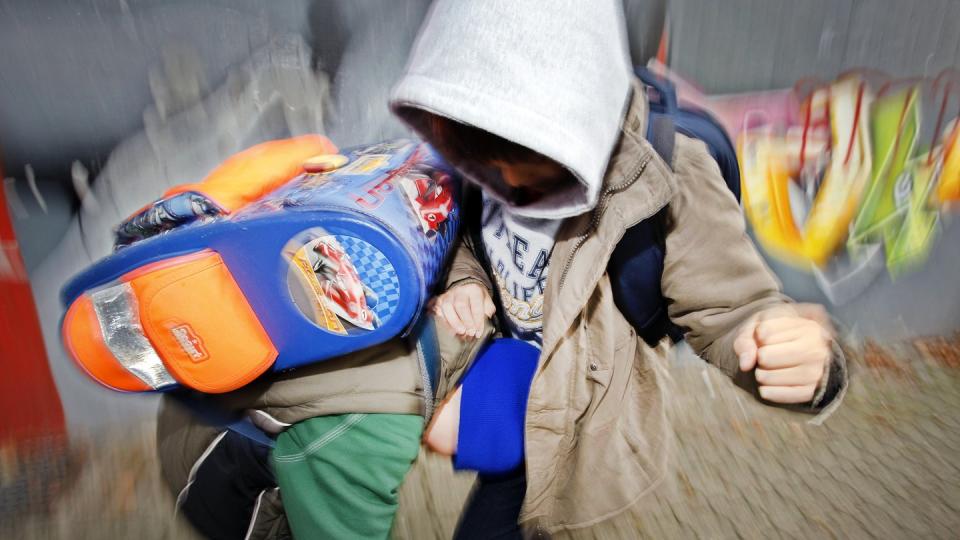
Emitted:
pixel 289 253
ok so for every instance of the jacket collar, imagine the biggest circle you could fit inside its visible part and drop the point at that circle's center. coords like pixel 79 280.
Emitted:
pixel 636 186
pixel 634 199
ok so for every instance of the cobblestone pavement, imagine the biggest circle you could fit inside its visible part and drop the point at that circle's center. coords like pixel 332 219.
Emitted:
pixel 885 465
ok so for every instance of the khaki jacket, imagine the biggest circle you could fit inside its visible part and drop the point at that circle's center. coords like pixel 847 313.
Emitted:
pixel 595 425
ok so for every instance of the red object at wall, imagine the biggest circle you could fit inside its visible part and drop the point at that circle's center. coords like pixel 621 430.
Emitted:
pixel 30 409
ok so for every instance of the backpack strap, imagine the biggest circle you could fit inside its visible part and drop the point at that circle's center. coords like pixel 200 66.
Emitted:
pixel 213 414
pixel 428 357
pixel 662 134
pixel 661 128
pixel 472 208
pixel 636 266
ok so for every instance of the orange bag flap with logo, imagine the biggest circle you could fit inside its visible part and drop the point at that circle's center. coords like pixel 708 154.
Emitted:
pixel 200 323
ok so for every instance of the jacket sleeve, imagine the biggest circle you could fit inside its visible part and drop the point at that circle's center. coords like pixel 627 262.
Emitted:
pixel 466 268
pixel 714 279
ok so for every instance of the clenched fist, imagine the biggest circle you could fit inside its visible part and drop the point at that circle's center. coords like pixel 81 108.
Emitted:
pixel 465 308
pixel 789 347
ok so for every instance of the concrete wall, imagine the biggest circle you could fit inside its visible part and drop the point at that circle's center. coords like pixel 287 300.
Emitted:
pixel 75 78
pixel 741 45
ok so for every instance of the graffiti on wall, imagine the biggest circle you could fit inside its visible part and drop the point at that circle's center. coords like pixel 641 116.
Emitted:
pixel 849 178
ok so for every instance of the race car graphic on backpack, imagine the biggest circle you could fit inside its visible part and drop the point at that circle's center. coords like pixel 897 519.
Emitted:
pixel 429 194
pixel 343 291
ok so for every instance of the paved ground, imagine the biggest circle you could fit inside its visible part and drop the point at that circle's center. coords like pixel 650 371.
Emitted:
pixel 886 465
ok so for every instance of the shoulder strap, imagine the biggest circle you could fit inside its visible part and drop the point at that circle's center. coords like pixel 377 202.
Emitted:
pixel 472 221
pixel 636 266
pixel 661 128
pixel 428 356
pixel 214 415
pixel 662 134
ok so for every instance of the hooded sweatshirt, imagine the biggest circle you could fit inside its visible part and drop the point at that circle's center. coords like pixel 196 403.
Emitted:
pixel 553 77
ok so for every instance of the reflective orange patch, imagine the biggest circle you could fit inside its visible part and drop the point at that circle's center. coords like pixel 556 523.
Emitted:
pixel 84 343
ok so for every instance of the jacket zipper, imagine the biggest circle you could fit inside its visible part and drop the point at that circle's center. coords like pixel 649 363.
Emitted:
pixel 598 213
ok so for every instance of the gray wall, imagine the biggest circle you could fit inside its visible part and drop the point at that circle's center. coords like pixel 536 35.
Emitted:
pixel 75 75
pixel 75 78
pixel 740 45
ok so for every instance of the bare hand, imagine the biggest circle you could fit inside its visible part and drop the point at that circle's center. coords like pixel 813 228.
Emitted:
pixel 465 308
pixel 789 348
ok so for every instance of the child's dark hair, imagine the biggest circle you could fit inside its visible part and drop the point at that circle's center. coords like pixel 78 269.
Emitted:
pixel 464 143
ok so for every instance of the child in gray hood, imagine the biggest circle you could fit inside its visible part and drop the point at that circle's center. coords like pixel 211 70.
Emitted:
pixel 537 106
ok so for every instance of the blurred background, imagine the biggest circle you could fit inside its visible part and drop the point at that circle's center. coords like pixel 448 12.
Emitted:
pixel 105 104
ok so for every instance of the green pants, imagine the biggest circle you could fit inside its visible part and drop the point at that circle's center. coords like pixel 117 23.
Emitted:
pixel 339 475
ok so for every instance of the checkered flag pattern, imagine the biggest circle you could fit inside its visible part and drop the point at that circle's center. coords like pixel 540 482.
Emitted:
pixel 375 272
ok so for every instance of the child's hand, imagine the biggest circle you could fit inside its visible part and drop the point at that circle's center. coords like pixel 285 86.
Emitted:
pixel 790 347
pixel 465 308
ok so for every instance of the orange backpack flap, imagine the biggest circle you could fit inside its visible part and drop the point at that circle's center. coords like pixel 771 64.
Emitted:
pixel 249 175
pixel 181 320
pixel 201 325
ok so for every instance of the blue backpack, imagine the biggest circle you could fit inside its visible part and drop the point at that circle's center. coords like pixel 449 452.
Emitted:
pixel 636 266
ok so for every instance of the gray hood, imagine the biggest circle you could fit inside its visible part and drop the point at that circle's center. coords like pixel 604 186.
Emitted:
pixel 551 76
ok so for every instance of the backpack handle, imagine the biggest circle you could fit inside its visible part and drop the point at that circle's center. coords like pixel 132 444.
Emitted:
pixel 666 91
